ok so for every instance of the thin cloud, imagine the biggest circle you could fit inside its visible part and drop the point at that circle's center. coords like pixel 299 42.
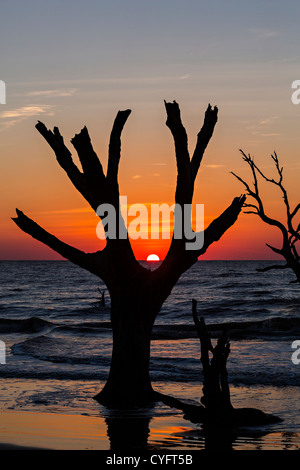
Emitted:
pixel 135 177
pixel 8 124
pixel 104 80
pixel 271 134
pixel 283 60
pixel 265 127
pixel 214 166
pixel 14 116
pixel 264 33
pixel 53 93
pixel 26 111
pixel 268 120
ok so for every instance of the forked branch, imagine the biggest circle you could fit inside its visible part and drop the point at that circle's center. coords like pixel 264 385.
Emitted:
pixel 178 259
pixel 94 186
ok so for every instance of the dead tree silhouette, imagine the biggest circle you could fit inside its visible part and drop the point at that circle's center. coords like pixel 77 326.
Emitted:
pixel 289 231
pixel 137 293
pixel 216 394
pixel 220 419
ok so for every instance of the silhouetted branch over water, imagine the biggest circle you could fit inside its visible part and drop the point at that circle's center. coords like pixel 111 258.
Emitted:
pixel 290 230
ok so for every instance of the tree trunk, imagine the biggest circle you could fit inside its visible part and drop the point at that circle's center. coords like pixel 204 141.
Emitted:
pixel 132 317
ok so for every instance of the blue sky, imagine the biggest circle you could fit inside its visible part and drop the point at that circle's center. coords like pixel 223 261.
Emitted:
pixel 83 40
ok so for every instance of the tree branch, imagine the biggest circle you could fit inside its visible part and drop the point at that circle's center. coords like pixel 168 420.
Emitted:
pixel 203 138
pixel 295 252
pixel 184 187
pixel 96 191
pixel 255 194
pixel 222 223
pixel 295 211
pixel 186 169
pixel 92 183
pixel 178 258
pixel 276 250
pixel 204 337
pixel 274 266
pixel 74 255
pixel 114 152
pixel 249 192
pixel 64 158
pixel 278 183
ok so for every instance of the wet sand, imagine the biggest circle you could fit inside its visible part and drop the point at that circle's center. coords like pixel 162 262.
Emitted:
pixel 50 431
pixel 61 415
pixel 45 431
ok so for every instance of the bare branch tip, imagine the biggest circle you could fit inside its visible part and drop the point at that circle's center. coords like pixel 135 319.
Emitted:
pixel 20 214
pixel 83 132
pixel 40 125
pixel 56 131
pixel 125 112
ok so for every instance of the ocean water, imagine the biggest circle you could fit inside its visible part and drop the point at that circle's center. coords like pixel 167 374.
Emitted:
pixel 58 339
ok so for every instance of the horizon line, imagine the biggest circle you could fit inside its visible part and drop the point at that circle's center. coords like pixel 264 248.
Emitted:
pixel 264 259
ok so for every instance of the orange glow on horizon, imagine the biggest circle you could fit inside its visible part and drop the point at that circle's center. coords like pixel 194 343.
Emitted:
pixel 43 192
pixel 245 240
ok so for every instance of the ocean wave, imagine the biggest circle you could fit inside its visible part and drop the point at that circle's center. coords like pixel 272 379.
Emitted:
pixel 271 327
pixel 57 350
pixel 251 362
pixel 25 325
pixel 92 328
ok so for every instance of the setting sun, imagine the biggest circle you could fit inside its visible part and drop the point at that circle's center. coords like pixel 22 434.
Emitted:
pixel 153 258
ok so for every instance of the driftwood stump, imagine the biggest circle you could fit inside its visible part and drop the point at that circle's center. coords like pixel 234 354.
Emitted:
pixel 216 393
pixel 218 410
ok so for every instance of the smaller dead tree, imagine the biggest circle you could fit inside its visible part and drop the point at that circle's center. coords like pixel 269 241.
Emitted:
pixel 216 394
pixel 290 231
pixel 217 413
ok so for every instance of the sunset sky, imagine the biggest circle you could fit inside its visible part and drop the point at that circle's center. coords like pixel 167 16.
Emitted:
pixel 75 63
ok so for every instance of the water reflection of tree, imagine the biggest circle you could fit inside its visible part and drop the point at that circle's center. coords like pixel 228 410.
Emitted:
pixel 131 432
pixel 127 432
